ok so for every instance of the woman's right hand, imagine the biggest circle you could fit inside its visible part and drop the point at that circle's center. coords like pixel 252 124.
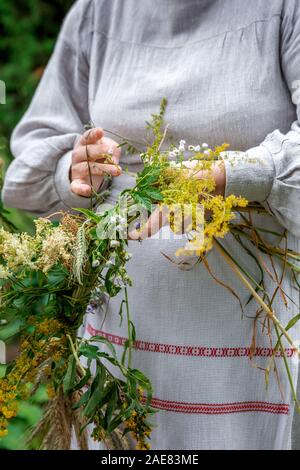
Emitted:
pixel 103 154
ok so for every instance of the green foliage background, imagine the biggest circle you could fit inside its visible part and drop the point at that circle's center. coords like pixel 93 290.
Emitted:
pixel 28 30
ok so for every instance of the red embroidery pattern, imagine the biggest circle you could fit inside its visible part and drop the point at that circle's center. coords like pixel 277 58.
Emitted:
pixel 196 351
pixel 220 408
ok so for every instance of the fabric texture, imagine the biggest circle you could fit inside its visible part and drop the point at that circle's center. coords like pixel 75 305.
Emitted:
pixel 229 70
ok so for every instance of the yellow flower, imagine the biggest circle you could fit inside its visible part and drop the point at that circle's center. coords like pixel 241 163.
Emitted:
pixel 50 391
pixel 7 413
pixel 3 432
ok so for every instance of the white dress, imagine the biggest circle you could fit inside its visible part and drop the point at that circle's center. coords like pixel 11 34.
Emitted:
pixel 228 69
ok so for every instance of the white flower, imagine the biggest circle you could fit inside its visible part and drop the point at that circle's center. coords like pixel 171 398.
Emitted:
pixel 128 256
pixel 114 243
pixel 191 148
pixel 204 146
pixel 109 263
pixel 197 148
pixel 182 145
pixel 96 263
pixel 113 219
pixel 122 220
pixel 119 281
pixel 207 152
pixel 172 154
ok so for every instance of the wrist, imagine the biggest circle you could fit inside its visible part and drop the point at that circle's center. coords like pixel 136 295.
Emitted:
pixel 220 178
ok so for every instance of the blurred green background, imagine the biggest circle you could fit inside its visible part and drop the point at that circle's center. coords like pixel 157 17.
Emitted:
pixel 28 30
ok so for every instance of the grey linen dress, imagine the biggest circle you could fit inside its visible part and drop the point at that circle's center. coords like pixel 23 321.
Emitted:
pixel 229 69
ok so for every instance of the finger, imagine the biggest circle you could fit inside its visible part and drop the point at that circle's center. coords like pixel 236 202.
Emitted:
pixel 80 188
pixel 112 144
pixel 84 169
pixel 90 137
pixel 99 151
pixel 155 222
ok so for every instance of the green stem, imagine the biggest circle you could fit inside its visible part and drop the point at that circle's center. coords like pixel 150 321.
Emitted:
pixel 238 265
pixel 294 393
pixel 124 138
pixel 74 352
pixel 230 261
pixel 128 328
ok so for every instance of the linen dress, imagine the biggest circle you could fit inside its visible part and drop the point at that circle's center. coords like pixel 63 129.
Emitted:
pixel 229 69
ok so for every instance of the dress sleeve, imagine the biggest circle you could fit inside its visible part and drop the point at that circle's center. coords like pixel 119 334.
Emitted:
pixel 38 178
pixel 270 173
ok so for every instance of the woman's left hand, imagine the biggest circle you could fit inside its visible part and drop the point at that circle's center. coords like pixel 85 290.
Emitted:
pixel 159 218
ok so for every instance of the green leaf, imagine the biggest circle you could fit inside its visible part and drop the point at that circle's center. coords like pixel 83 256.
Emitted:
pixel 133 331
pixel 70 377
pixel 111 406
pixel 152 193
pixel 83 381
pixel 101 339
pixel 143 201
pixel 115 423
pixel 57 275
pixel 11 329
pixel 40 396
pixel 292 322
pixel 30 412
pixel 141 378
pixel 97 390
pixel 111 359
pixel 89 214
pixel 88 351
pixel 147 177
pixel 20 302
pixel 3 368
pixel 83 400
pixel 110 287
pixel 121 311
pixel 290 325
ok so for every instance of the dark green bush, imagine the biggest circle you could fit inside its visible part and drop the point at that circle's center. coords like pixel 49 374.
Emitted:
pixel 28 30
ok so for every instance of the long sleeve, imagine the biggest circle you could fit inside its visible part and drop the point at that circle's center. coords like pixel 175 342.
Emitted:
pixel 270 172
pixel 38 178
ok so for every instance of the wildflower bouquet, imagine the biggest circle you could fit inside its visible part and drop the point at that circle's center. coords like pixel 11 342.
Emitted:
pixel 48 280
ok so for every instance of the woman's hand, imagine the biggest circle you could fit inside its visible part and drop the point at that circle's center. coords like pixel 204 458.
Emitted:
pixel 159 217
pixel 217 171
pixel 103 155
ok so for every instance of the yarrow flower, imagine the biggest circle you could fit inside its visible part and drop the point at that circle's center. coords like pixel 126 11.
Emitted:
pixel 182 145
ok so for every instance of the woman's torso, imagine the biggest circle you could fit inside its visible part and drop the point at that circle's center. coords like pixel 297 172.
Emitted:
pixel 218 64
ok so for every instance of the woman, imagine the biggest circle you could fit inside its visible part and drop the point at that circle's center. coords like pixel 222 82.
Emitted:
pixel 229 71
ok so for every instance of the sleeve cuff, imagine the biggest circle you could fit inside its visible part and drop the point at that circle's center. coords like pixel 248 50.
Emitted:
pixel 249 174
pixel 63 187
